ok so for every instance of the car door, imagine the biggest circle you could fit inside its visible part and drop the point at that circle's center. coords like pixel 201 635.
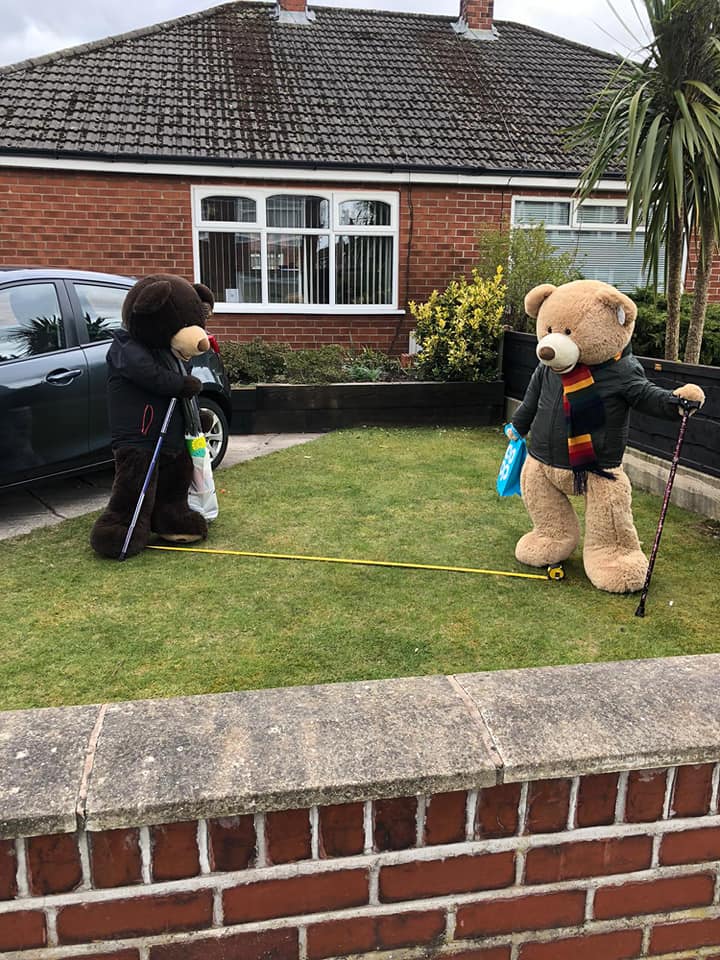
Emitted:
pixel 98 306
pixel 43 382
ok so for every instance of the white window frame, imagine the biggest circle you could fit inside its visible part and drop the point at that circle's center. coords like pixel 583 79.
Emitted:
pixel 334 198
pixel 575 224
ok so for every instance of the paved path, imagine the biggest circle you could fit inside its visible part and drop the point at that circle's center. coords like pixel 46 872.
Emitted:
pixel 53 501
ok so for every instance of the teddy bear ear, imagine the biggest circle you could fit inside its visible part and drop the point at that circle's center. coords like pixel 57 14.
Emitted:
pixel 537 296
pixel 152 297
pixel 205 294
pixel 624 308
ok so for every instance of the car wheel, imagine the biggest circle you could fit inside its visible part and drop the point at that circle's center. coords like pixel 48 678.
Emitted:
pixel 217 436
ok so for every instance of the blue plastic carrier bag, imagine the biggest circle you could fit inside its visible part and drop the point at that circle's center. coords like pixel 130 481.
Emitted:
pixel 508 481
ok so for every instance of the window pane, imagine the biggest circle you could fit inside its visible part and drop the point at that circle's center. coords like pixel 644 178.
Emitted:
pixel 543 211
pixel 230 266
pixel 364 213
pixel 101 309
pixel 291 210
pixel 298 268
pixel 606 255
pixel 229 209
pixel 602 213
pixel 30 321
pixel 363 269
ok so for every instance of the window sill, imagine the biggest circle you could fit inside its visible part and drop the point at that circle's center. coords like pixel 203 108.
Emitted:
pixel 305 308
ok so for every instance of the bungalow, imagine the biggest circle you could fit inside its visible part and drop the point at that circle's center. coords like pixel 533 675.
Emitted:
pixel 317 168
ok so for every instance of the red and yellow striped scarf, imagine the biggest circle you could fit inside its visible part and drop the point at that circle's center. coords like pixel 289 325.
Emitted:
pixel 584 412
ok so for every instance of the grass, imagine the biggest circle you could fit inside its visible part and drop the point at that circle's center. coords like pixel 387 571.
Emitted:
pixel 77 629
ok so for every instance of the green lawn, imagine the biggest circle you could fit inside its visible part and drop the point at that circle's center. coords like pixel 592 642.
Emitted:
pixel 77 629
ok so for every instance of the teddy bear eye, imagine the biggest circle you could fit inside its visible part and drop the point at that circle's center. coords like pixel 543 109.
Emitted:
pixel 567 331
pixel 549 329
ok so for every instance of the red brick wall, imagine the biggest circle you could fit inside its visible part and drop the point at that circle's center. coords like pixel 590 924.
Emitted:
pixel 614 866
pixel 143 224
pixel 138 225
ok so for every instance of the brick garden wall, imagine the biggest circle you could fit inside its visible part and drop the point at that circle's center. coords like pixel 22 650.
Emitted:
pixel 283 825
pixel 604 867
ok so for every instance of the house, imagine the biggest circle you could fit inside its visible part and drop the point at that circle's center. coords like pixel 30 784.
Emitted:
pixel 318 168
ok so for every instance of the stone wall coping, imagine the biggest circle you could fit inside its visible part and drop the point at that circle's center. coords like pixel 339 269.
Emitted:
pixel 146 762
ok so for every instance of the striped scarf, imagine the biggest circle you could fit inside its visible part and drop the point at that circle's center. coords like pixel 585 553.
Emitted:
pixel 584 412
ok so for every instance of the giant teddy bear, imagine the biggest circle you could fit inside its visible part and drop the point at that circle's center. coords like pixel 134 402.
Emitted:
pixel 577 409
pixel 163 320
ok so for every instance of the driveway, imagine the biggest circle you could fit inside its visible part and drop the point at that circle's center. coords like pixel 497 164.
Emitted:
pixel 53 501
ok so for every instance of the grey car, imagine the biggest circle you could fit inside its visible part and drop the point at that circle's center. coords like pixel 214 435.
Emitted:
pixel 54 334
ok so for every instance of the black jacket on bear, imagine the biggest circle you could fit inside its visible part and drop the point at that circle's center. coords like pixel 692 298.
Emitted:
pixel 622 386
pixel 141 383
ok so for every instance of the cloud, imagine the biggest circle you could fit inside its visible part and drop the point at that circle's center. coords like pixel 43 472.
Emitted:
pixel 33 40
pixel 32 28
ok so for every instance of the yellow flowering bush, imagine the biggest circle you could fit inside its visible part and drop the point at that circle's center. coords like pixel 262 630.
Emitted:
pixel 458 330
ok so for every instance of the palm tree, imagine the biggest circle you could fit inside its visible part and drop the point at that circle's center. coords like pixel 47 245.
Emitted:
pixel 659 120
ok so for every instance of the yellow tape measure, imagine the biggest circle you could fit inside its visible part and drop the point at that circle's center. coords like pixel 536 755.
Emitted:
pixel 364 563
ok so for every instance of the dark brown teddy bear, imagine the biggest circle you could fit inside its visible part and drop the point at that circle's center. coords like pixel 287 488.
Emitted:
pixel 163 320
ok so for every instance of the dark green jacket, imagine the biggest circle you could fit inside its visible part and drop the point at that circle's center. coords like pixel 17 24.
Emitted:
pixel 623 386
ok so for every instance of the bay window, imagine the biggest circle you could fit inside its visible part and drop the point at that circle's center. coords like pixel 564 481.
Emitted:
pixel 297 251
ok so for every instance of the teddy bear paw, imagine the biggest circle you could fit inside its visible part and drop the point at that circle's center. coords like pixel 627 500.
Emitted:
pixel 616 571
pixel 181 537
pixel 536 550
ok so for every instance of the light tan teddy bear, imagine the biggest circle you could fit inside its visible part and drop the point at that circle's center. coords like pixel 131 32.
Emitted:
pixel 577 409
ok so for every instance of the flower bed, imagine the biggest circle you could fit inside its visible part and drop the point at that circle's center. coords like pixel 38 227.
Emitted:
pixel 312 408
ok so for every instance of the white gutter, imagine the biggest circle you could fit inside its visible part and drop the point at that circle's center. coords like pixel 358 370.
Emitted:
pixel 234 172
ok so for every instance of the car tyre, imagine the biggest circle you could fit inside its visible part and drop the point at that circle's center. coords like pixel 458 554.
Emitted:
pixel 217 436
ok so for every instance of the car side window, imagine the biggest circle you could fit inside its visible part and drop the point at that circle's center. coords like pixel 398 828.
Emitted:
pixel 101 308
pixel 30 321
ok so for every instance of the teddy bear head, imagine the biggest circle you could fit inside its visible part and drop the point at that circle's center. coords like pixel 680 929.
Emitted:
pixel 585 321
pixel 160 306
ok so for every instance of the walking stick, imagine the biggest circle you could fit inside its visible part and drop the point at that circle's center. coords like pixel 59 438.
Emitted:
pixel 687 407
pixel 148 475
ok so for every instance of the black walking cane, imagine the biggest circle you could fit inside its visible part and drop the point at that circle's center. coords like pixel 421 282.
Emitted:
pixel 687 407
pixel 148 475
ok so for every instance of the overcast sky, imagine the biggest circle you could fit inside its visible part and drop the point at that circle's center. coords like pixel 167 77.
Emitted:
pixel 34 27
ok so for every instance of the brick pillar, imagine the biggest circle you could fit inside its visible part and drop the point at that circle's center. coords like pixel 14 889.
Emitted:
pixel 477 14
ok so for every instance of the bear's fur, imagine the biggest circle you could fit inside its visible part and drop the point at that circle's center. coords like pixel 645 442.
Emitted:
pixel 584 330
pixel 163 321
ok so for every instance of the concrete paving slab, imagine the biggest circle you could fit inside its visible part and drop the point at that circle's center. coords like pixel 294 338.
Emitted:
pixel 601 717
pixel 259 750
pixel 42 757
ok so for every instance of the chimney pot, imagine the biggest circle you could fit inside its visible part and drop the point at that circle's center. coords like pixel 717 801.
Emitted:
pixel 293 11
pixel 476 19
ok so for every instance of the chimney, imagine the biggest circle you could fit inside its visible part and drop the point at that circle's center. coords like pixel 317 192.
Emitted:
pixel 293 11
pixel 476 20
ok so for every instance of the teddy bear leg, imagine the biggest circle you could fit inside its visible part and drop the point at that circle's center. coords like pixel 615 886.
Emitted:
pixel 172 519
pixel 556 530
pixel 110 529
pixel 612 556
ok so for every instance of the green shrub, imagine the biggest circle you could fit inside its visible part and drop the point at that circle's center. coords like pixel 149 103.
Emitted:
pixel 263 362
pixel 371 364
pixel 322 365
pixel 458 330
pixel 528 259
pixel 254 362
pixel 649 335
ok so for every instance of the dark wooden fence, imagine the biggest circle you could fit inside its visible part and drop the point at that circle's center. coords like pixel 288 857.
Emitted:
pixel 701 448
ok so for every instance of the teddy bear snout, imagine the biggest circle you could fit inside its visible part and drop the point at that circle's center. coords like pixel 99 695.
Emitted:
pixel 558 351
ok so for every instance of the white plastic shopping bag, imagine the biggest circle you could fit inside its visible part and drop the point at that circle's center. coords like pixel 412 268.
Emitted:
pixel 201 495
